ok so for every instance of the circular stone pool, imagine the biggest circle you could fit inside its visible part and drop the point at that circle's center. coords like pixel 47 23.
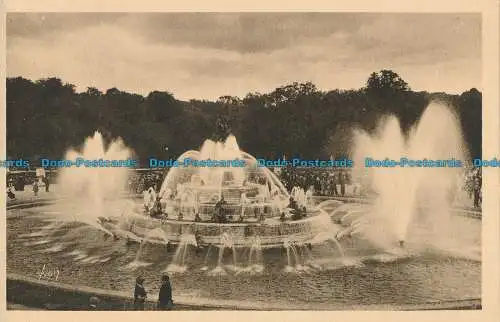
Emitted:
pixel 323 276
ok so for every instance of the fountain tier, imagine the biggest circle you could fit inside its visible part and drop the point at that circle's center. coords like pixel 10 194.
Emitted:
pixel 239 203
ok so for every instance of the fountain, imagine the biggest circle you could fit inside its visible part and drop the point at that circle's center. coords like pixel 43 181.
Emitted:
pixel 215 224
pixel 242 202
pixel 91 194
pixel 413 203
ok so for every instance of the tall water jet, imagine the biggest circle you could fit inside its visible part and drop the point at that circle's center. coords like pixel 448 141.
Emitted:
pixel 404 190
pixel 204 186
pixel 89 190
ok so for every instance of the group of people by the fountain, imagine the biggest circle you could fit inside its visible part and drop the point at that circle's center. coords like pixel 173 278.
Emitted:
pixel 326 183
pixel 335 182
pixel 19 183
pixel 472 185
pixel 165 301
pixel 141 181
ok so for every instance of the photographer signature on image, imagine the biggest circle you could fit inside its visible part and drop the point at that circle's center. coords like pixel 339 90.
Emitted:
pixel 48 273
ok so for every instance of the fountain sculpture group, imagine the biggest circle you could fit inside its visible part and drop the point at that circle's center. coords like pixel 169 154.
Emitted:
pixel 231 208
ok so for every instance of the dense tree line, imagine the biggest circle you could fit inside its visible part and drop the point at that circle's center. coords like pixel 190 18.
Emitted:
pixel 47 116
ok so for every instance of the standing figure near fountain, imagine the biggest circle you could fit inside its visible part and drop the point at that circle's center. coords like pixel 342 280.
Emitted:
pixel 342 181
pixel 165 301
pixel 35 188
pixel 10 193
pixel 334 184
pixel 477 189
pixel 46 183
pixel 139 294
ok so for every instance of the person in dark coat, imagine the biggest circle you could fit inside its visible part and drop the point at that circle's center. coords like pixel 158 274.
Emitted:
pixel 165 301
pixel 342 181
pixel 11 194
pixel 334 185
pixel 35 188
pixel 139 294
pixel 47 184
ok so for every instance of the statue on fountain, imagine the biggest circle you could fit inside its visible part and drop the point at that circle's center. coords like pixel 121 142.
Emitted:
pixel 220 210
pixel 293 204
pixel 150 200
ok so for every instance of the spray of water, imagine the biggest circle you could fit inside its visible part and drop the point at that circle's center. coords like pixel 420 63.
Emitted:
pixel 404 191
pixel 92 190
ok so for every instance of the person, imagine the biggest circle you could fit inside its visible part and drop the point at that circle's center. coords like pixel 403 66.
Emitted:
pixel 165 301
pixel 334 184
pixel 35 188
pixel 11 194
pixel 342 181
pixel 47 183
pixel 477 191
pixel 139 294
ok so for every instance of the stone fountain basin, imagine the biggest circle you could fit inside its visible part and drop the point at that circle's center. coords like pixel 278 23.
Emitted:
pixel 395 285
pixel 271 233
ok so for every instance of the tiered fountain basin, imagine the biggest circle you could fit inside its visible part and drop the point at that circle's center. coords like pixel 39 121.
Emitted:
pixel 362 278
pixel 270 232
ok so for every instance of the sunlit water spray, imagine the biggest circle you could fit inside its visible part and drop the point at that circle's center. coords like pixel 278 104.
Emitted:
pixel 413 202
pixel 89 195
pixel 91 189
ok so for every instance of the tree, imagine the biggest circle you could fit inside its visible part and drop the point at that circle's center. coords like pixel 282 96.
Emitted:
pixel 47 116
pixel 470 111
pixel 386 81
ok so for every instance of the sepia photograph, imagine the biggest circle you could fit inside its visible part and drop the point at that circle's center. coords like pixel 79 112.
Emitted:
pixel 264 161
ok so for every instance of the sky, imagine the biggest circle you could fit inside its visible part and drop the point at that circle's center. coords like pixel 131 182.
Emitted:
pixel 208 55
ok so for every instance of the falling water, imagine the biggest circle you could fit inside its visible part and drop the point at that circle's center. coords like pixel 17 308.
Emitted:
pixel 92 192
pixel 179 261
pixel 226 242
pixel 207 257
pixel 339 247
pixel 155 235
pixel 292 256
pixel 255 249
pixel 401 191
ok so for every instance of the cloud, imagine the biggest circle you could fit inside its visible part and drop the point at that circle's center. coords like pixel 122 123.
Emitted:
pixel 209 55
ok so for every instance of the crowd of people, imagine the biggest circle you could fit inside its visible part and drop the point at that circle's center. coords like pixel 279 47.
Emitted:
pixel 143 180
pixel 325 182
pixel 472 184
pixel 20 180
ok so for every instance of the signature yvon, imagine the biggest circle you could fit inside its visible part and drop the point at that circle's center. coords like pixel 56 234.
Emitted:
pixel 48 273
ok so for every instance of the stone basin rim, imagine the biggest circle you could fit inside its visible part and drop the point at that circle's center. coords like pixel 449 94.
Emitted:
pixel 200 303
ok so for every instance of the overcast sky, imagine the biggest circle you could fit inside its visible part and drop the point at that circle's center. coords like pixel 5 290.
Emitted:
pixel 208 55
